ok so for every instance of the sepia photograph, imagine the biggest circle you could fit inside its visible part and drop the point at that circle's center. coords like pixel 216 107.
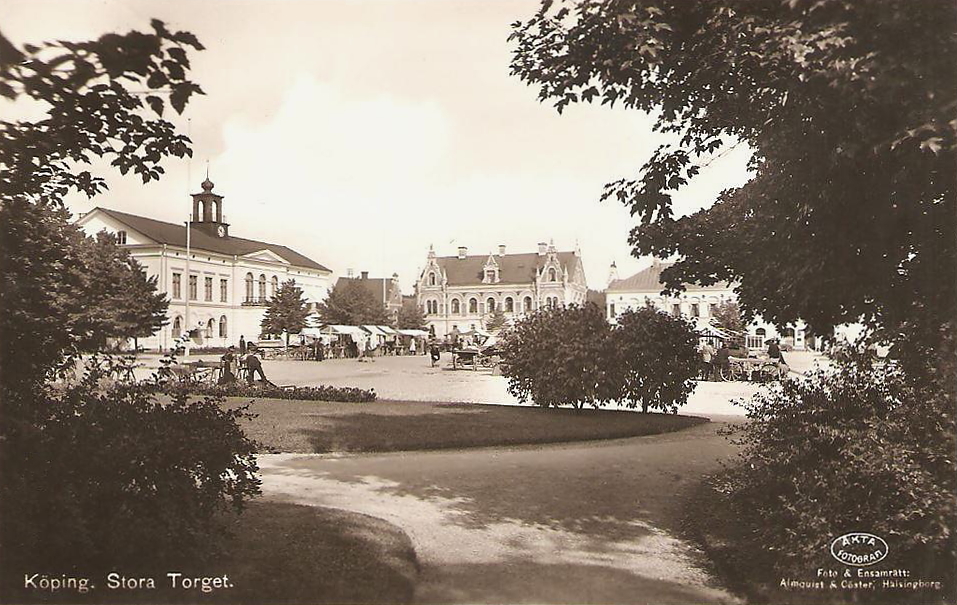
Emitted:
pixel 484 302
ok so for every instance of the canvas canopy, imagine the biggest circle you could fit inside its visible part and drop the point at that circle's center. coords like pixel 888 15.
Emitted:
pixel 374 330
pixel 340 329
pixel 413 332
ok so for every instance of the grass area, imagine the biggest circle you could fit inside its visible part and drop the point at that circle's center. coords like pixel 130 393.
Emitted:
pixel 275 553
pixel 388 426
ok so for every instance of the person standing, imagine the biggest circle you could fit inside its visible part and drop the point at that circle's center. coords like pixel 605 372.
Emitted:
pixel 242 345
pixel 412 346
pixel 707 354
pixel 774 351
pixel 229 366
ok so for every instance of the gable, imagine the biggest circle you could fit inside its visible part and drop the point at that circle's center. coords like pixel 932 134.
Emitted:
pixel 266 255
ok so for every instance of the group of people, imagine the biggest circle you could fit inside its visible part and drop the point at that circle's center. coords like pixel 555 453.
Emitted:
pixel 716 361
pixel 246 358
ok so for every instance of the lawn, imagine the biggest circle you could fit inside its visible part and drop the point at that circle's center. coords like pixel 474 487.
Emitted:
pixel 388 426
pixel 273 553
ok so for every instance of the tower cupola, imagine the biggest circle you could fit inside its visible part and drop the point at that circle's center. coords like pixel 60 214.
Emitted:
pixel 208 211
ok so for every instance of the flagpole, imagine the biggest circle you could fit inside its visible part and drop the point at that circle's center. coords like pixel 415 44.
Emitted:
pixel 189 330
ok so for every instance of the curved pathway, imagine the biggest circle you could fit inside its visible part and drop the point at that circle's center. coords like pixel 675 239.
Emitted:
pixel 572 523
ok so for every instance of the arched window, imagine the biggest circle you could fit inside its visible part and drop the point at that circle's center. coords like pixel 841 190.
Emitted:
pixel 431 307
pixel 490 305
pixel 262 286
pixel 431 279
pixel 509 304
pixel 210 327
pixel 527 304
pixel 177 326
pixel 760 332
pixel 456 307
pixel 249 287
pixel 275 285
pixel 551 275
pixel 473 305
pixel 222 327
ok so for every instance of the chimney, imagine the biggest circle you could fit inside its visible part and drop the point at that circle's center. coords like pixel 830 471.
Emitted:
pixel 613 273
pixel 542 248
pixel 365 275
pixel 463 252
pixel 501 249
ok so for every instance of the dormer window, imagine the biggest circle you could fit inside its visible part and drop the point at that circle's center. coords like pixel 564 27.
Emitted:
pixel 552 275
pixel 490 276
pixel 431 279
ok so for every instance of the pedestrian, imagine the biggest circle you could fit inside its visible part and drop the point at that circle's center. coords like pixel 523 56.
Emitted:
pixel 707 354
pixel 242 345
pixel 254 365
pixel 774 351
pixel 723 358
pixel 434 351
pixel 412 346
pixel 229 366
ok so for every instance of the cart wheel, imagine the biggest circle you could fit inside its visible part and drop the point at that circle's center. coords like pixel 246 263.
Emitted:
pixel 726 374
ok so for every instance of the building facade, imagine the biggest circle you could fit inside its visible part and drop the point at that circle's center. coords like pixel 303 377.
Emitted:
pixel 696 303
pixel 226 280
pixel 385 290
pixel 462 292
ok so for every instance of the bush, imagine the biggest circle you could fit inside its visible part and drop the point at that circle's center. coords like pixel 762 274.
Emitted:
pixel 559 356
pixel 656 359
pixel 319 393
pixel 100 474
pixel 858 448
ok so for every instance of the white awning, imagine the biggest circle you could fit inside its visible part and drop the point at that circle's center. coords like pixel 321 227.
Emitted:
pixel 413 332
pixel 340 329
pixel 374 330
pixel 387 329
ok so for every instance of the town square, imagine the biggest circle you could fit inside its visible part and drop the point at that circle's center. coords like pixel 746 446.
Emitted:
pixel 519 301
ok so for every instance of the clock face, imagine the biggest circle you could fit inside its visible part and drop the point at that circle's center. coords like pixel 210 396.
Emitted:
pixel 221 231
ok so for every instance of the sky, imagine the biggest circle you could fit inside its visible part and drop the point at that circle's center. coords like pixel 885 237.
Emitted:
pixel 361 132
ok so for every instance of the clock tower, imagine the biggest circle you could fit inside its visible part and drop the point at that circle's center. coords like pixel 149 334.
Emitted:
pixel 208 211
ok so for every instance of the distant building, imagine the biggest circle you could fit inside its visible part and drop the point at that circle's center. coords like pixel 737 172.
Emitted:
pixel 696 303
pixel 385 290
pixel 230 278
pixel 462 291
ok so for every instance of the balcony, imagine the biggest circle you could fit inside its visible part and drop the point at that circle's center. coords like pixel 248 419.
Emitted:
pixel 255 302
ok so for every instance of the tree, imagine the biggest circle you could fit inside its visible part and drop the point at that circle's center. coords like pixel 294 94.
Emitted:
pixel 560 357
pixel 496 321
pixel 286 312
pixel 411 316
pixel 727 315
pixel 351 304
pixel 848 109
pixel 655 358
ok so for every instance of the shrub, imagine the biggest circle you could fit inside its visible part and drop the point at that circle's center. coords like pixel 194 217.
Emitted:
pixel 655 358
pixel 559 356
pixel 318 393
pixel 857 448
pixel 99 474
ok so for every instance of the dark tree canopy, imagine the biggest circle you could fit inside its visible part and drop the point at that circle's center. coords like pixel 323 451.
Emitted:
pixel 287 312
pixel 351 304
pixel 411 316
pixel 848 107
pixel 728 315
pixel 496 320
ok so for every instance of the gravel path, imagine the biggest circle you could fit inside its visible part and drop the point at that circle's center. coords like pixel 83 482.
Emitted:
pixel 575 523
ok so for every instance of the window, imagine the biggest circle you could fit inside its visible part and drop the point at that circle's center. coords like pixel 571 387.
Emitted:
pixel 177 326
pixel 177 285
pixel 223 290
pixel 262 287
pixel 551 275
pixel 473 305
pixel 490 276
pixel 527 304
pixel 456 307
pixel 431 307
pixel 208 289
pixel 695 312
pixel 275 285
pixel 509 304
pixel 249 287
pixel 490 305
pixel 431 279
pixel 222 327
pixel 210 327
pixel 676 309
pixel 193 285
pixel 121 237
pixel 611 310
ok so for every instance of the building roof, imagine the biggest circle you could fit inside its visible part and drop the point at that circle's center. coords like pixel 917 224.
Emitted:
pixel 513 268
pixel 649 280
pixel 175 235
pixel 374 285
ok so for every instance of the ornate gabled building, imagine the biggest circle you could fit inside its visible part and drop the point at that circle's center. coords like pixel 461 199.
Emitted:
pixel 461 292
pixel 696 303
pixel 229 279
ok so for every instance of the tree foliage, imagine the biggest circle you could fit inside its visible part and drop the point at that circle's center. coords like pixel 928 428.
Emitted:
pixel 287 312
pixel 557 356
pixel 350 303
pixel 848 108
pixel 727 315
pixel 411 316
pixel 496 321
pixel 655 356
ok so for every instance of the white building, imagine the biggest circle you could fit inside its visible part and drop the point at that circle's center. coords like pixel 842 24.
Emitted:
pixel 696 302
pixel 461 292
pixel 229 279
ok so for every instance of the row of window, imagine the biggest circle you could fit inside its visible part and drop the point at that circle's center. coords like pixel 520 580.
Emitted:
pixel 250 280
pixel 177 289
pixel 491 277
pixel 695 309
pixel 508 305
pixel 209 331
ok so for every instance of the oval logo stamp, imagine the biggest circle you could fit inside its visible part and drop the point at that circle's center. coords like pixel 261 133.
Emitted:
pixel 859 549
